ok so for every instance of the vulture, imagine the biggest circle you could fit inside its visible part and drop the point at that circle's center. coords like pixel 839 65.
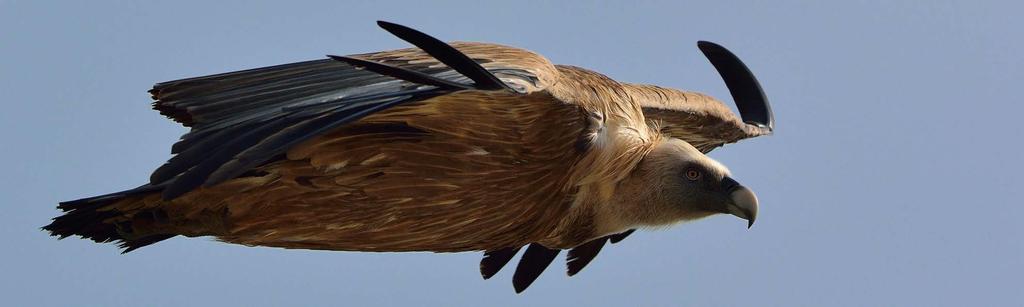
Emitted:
pixel 446 147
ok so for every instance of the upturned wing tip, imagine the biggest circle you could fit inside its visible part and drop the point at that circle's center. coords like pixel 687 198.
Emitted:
pixel 482 78
pixel 385 24
pixel 744 87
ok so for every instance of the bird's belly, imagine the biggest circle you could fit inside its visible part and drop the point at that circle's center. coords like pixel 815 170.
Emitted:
pixel 410 224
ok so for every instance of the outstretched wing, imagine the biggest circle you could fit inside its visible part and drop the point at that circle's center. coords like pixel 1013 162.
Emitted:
pixel 703 121
pixel 244 119
pixel 260 119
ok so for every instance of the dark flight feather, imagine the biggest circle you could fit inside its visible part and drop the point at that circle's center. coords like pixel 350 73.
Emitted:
pixel 401 73
pixel 746 91
pixel 195 153
pixel 615 238
pixel 580 256
pixel 494 260
pixel 290 106
pixel 531 265
pixel 196 175
pixel 448 55
pixel 278 143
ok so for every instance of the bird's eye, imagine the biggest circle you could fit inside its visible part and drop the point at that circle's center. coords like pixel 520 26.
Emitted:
pixel 692 174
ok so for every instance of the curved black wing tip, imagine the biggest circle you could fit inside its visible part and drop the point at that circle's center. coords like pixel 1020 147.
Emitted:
pixel 757 107
pixel 706 44
pixel 494 261
pixel 385 24
pixel 448 55
pixel 392 27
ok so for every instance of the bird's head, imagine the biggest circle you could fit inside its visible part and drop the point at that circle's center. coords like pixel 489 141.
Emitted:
pixel 676 182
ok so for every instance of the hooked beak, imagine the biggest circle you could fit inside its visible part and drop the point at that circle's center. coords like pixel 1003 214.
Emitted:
pixel 741 201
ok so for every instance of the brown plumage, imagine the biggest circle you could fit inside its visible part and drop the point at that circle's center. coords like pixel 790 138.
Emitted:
pixel 478 148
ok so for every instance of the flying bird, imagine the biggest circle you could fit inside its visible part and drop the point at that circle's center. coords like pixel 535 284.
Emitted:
pixel 443 147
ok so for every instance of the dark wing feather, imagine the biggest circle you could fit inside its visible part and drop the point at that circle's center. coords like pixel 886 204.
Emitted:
pixel 448 55
pixel 746 91
pixel 279 142
pixel 198 170
pixel 252 106
pixel 200 149
pixel 254 147
pixel 494 260
pixel 209 100
pixel 531 265
pixel 615 238
pixel 244 119
pixel 580 256
pixel 401 73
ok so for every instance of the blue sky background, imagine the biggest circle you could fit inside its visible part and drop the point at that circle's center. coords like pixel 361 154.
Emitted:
pixel 892 180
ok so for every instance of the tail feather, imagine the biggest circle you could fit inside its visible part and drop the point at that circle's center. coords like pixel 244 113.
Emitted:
pixel 90 219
